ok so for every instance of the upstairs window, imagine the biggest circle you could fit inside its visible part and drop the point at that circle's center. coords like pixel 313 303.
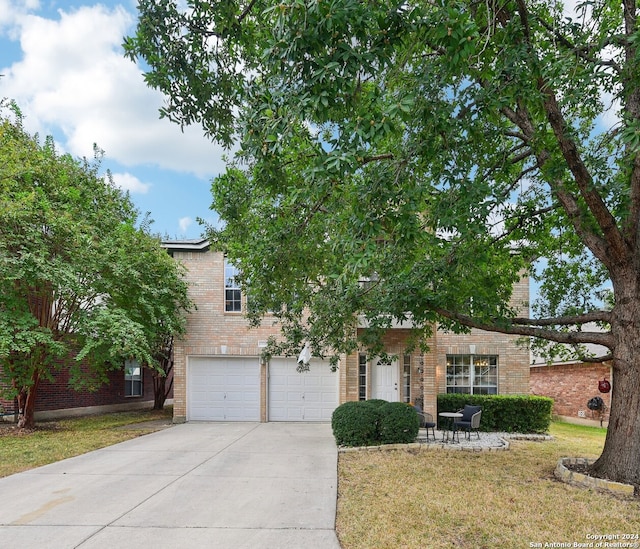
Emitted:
pixel 232 291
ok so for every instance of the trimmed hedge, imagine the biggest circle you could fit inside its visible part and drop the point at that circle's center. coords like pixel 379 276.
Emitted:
pixel 356 424
pixel 399 423
pixel 505 413
pixel 373 422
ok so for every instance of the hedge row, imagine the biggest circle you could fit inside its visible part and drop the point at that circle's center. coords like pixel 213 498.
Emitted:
pixel 373 422
pixel 505 413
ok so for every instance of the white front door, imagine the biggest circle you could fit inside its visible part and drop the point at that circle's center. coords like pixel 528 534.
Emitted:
pixel 385 381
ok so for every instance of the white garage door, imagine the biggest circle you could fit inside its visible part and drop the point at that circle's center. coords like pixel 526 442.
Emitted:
pixel 301 396
pixel 223 389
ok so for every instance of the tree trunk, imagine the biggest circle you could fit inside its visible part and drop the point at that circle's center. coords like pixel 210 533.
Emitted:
pixel 160 389
pixel 27 404
pixel 620 459
pixel 159 392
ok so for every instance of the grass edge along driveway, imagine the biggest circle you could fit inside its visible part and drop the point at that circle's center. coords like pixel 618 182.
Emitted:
pixel 53 441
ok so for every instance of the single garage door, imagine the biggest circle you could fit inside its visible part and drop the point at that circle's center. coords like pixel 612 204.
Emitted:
pixel 223 389
pixel 301 396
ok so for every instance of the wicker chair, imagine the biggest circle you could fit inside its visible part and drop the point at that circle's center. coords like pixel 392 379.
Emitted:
pixel 470 421
pixel 426 421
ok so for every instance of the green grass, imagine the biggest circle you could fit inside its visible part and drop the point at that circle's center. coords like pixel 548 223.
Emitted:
pixel 445 499
pixel 55 440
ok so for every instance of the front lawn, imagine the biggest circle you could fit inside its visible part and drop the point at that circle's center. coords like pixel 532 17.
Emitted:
pixel 435 499
pixel 55 440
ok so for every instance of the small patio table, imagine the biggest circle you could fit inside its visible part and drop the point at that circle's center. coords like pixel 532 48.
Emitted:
pixel 448 424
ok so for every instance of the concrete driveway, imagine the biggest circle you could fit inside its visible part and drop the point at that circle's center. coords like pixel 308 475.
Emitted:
pixel 197 485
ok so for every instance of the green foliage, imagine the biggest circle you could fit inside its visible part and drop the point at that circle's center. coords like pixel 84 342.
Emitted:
pixel 504 413
pixel 79 280
pixel 399 423
pixel 377 402
pixel 356 424
pixel 400 162
pixel 372 422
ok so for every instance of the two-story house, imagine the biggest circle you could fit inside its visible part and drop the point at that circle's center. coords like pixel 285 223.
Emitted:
pixel 220 375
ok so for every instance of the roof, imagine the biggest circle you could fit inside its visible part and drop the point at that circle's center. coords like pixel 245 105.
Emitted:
pixel 192 245
pixel 591 348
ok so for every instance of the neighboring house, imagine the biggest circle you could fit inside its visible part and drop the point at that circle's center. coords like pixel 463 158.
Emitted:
pixel 219 374
pixel 571 384
pixel 128 388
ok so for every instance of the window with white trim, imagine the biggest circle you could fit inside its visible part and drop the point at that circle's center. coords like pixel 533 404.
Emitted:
pixel 232 291
pixel 362 377
pixel 132 378
pixel 472 374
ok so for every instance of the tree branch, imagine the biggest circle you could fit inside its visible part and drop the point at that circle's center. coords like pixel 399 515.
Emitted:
pixel 572 338
pixel 377 158
pixel 597 359
pixel 593 316
pixel 582 52
pixel 246 11
pixel 614 241
pixel 521 220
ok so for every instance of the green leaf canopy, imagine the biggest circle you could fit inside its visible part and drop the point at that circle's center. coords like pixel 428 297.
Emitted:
pixel 80 282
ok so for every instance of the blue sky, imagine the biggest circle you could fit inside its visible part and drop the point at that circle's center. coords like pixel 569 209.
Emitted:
pixel 62 62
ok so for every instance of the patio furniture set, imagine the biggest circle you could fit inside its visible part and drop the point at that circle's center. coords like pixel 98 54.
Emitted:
pixel 466 419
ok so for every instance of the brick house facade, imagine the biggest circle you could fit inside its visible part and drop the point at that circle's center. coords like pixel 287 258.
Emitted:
pixel 56 399
pixel 571 386
pixel 219 372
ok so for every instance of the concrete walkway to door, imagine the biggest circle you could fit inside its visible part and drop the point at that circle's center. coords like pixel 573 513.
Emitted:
pixel 197 485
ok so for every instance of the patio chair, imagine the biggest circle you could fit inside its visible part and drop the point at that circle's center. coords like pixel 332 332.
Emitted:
pixel 426 422
pixel 470 421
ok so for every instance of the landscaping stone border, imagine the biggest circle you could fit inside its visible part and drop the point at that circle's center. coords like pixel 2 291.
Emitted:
pixel 493 443
pixel 421 447
pixel 563 473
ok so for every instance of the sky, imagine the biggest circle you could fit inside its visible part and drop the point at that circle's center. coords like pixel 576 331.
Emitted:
pixel 62 62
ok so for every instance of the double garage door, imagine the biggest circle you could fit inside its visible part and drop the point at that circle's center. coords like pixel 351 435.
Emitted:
pixel 228 389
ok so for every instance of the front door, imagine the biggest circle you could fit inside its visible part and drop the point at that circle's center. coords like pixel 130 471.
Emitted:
pixel 385 380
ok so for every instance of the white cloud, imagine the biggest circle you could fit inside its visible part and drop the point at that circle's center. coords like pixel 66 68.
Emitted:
pixel 185 223
pixel 73 82
pixel 131 183
pixel 11 11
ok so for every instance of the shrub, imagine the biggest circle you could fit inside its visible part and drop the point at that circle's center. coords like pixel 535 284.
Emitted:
pixel 356 423
pixel 376 402
pixel 508 413
pixel 399 423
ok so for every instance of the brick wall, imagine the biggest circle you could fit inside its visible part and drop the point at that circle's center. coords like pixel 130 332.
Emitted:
pixel 57 395
pixel 512 351
pixel 571 386
pixel 513 357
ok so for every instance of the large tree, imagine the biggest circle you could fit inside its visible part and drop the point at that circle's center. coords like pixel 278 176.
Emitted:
pixel 410 160
pixel 83 285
